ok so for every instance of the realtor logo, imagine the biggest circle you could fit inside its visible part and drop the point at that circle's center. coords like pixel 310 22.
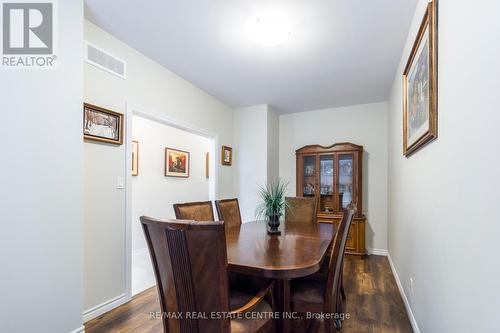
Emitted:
pixel 28 34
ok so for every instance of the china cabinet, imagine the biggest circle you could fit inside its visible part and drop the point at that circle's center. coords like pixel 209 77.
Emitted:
pixel 333 175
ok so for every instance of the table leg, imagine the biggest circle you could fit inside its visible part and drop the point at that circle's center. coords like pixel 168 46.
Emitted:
pixel 283 305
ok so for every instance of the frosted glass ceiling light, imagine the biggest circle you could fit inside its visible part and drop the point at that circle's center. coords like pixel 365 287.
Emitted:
pixel 270 30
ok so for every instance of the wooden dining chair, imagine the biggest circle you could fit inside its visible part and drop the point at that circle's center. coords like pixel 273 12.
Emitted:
pixel 324 267
pixel 190 264
pixel 196 211
pixel 301 209
pixel 229 212
pixel 320 293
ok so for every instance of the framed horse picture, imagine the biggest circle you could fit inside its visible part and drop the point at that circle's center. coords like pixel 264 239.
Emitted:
pixel 102 125
pixel 420 79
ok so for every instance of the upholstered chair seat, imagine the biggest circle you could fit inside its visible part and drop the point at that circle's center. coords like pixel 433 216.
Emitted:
pixel 229 212
pixel 247 324
pixel 309 290
pixel 195 211
pixel 238 298
pixel 302 210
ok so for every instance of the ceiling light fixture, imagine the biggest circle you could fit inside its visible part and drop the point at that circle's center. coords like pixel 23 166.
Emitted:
pixel 270 29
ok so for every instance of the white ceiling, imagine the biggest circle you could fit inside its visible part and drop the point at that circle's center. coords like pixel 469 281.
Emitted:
pixel 340 52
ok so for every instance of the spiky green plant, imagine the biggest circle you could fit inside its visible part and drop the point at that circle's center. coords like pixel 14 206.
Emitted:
pixel 273 199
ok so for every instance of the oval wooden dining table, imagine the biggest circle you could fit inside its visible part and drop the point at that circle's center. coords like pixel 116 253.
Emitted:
pixel 298 251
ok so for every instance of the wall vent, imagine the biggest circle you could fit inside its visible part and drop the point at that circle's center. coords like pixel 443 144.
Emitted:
pixel 105 61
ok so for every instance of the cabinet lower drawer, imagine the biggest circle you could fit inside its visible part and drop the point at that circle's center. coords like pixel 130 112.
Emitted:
pixel 352 238
pixel 356 238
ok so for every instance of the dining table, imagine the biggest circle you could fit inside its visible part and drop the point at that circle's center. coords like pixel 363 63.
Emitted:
pixel 298 251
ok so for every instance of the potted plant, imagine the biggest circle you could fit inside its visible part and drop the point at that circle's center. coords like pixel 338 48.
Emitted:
pixel 273 204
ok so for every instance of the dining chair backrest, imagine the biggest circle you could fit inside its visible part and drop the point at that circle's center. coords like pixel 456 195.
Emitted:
pixel 229 212
pixel 196 211
pixel 301 209
pixel 190 264
pixel 336 262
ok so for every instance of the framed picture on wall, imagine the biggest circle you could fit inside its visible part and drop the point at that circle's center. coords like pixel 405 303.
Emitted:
pixel 207 165
pixel 176 163
pixel 135 158
pixel 227 155
pixel 420 79
pixel 102 125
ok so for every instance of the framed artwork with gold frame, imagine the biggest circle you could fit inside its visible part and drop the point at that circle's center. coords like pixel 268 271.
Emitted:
pixel 176 163
pixel 135 158
pixel 207 165
pixel 226 155
pixel 102 125
pixel 420 79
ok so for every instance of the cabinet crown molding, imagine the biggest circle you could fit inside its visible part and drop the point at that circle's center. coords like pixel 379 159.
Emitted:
pixel 336 147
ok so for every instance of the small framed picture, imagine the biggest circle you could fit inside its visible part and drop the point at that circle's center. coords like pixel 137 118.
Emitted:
pixel 227 155
pixel 207 165
pixel 135 158
pixel 176 163
pixel 102 125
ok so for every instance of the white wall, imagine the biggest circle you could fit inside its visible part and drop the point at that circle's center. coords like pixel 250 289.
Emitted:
pixel 443 224
pixel 364 125
pixel 153 194
pixel 41 197
pixel 256 134
pixel 249 157
pixel 273 137
pixel 155 89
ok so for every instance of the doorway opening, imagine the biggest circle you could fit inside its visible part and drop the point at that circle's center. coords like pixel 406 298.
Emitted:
pixel 151 192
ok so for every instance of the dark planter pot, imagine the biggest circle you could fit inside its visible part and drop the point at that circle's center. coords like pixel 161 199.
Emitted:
pixel 273 223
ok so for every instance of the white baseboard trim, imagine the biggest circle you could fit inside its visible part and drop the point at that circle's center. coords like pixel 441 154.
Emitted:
pixel 413 321
pixel 79 330
pixel 104 307
pixel 376 252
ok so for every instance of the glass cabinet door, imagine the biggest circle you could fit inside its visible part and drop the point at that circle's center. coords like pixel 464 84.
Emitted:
pixel 346 190
pixel 326 176
pixel 309 176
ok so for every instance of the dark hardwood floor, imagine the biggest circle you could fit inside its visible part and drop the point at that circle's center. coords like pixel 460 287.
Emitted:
pixel 373 303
